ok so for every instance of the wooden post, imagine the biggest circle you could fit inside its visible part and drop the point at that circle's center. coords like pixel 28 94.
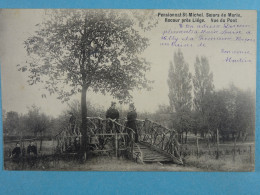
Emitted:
pixel 209 153
pixel 234 154
pixel 132 143
pixel 41 141
pixel 217 156
pixel 197 144
pixel 250 153
pixel 116 144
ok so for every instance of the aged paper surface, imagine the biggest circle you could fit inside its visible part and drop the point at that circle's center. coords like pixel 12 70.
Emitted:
pixel 128 90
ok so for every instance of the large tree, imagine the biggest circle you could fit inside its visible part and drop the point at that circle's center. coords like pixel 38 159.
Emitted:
pixel 180 87
pixel 245 112
pixel 77 50
pixel 241 108
pixel 203 88
pixel 11 123
pixel 231 111
pixel 218 113
pixel 35 121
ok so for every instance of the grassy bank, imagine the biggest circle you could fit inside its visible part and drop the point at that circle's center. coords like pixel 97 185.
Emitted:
pixel 97 163
pixel 224 163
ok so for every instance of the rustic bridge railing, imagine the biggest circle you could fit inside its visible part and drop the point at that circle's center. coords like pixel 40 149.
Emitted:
pixel 105 135
pixel 110 136
pixel 159 137
pixel 68 140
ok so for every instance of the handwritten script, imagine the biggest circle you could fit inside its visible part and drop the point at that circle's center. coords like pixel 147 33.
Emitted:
pixel 204 30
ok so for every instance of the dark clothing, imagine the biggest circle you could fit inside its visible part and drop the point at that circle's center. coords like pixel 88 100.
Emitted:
pixel 32 150
pixel 131 116
pixel 131 123
pixel 16 152
pixel 72 122
pixel 32 155
pixel 72 119
pixel 112 113
pixel 77 145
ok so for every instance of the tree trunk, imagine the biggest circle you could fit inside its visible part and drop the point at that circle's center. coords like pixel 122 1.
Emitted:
pixel 84 139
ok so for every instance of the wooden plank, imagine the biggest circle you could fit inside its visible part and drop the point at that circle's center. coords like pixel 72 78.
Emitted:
pixel 174 159
pixel 154 153
pixel 157 160
pixel 158 150
pixel 154 156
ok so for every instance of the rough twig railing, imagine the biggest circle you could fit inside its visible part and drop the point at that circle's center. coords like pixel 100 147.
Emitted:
pixel 107 135
pixel 103 132
pixel 158 136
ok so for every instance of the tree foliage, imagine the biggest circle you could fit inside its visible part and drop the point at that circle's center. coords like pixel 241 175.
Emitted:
pixel 87 48
pixel 33 123
pixel 77 50
pixel 203 88
pixel 229 110
pixel 180 88
pixel 36 121
pixel 11 123
pixel 245 112
pixel 232 111
pixel 179 82
pixel 202 83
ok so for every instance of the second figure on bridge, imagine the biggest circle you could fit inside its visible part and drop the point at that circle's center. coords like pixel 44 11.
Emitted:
pixel 131 121
pixel 112 113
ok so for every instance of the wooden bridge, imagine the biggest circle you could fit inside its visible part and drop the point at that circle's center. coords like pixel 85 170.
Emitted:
pixel 156 143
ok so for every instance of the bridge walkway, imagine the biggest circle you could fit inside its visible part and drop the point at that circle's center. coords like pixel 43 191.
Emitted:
pixel 148 154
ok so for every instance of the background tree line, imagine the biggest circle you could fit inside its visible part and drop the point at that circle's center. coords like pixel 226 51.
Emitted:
pixel 36 123
pixel 196 107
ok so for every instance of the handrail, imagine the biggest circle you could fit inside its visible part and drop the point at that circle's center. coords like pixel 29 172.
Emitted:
pixel 140 120
pixel 148 131
pixel 161 125
pixel 109 119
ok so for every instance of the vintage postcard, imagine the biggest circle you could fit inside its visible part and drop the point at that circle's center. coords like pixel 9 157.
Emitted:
pixel 128 90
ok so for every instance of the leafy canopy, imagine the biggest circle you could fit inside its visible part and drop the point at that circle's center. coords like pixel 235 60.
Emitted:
pixel 179 83
pixel 202 83
pixel 97 49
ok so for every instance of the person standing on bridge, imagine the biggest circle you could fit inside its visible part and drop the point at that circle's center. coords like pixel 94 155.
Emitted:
pixel 131 121
pixel 112 113
pixel 72 122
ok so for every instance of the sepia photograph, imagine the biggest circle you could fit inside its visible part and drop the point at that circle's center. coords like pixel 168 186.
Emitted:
pixel 128 89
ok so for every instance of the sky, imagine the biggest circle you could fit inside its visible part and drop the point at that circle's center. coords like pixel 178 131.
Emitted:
pixel 17 25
